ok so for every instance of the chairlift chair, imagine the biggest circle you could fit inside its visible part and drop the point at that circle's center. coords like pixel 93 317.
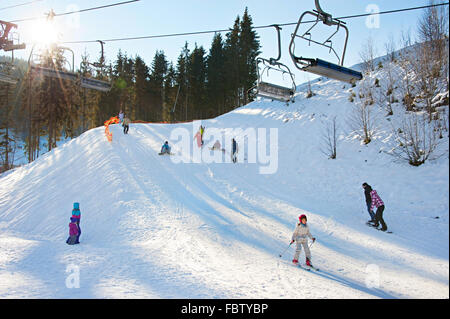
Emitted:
pixel 8 79
pixel 269 90
pixel 95 84
pixel 5 73
pixel 52 72
pixel 85 82
pixel 319 66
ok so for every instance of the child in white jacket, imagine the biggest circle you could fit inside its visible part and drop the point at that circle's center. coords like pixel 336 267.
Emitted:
pixel 301 234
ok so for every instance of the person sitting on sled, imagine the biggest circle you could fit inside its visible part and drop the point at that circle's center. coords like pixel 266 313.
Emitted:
pixel 300 235
pixel 165 149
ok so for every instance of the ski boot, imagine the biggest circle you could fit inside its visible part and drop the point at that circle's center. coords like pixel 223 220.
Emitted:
pixel 295 261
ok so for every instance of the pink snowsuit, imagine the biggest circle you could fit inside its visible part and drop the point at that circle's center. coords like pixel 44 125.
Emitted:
pixel 73 229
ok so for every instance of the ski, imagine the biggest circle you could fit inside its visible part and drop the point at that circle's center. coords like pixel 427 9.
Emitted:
pixel 302 267
pixel 312 267
pixel 387 232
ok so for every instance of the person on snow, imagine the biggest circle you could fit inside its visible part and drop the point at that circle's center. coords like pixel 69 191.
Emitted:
pixel 367 190
pixel 76 215
pixel 300 236
pixel 126 124
pixel 165 149
pixel 217 147
pixel 378 203
pixel 73 232
pixel 202 130
pixel 234 150
pixel 121 115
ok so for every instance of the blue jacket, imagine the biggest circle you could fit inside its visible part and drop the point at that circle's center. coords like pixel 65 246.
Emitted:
pixel 165 147
pixel 76 213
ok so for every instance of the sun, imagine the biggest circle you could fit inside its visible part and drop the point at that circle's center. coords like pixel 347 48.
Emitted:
pixel 45 32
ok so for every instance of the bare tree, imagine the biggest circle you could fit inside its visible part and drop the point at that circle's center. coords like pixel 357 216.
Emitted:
pixel 430 68
pixel 417 140
pixel 310 92
pixel 367 55
pixel 433 30
pixel 362 118
pixel 390 48
pixel 385 95
pixel 407 86
pixel 427 71
pixel 330 139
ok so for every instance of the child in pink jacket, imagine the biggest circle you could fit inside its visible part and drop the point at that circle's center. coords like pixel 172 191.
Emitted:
pixel 378 203
pixel 73 232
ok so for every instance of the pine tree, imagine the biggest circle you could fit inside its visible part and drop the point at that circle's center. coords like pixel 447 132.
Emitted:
pixel 55 99
pixel 157 76
pixel 197 81
pixel 7 141
pixel 215 77
pixel 142 88
pixel 182 83
pixel 249 50
pixel 232 72
pixel 171 89
pixel 122 95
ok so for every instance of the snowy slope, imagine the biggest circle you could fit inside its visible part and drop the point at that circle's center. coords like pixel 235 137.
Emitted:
pixel 154 228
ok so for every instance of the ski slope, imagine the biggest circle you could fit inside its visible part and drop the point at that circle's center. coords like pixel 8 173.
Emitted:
pixel 156 228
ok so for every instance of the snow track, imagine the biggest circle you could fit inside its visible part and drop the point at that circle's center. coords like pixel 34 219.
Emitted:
pixel 152 228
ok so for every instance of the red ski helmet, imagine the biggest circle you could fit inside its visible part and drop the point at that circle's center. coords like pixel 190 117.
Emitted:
pixel 302 216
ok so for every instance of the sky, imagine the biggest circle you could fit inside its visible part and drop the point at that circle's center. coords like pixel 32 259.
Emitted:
pixel 149 17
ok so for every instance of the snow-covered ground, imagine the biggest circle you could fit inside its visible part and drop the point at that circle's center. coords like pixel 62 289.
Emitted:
pixel 153 227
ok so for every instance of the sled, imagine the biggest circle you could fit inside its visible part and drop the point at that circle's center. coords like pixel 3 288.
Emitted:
pixel 72 240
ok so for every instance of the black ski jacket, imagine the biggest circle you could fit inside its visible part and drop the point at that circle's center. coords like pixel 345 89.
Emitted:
pixel 367 191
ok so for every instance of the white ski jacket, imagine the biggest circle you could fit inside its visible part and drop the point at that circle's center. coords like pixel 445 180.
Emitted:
pixel 301 232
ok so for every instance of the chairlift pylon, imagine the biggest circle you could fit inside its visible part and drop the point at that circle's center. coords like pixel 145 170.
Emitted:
pixel 9 40
pixel 269 90
pixel 319 66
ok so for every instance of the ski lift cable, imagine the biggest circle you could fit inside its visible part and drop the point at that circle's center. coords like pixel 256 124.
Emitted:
pixel 78 11
pixel 20 5
pixel 256 27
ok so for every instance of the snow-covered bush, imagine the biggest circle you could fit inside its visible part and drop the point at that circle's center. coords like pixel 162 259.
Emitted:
pixel 417 140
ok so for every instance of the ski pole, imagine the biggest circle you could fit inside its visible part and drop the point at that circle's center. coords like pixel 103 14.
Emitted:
pixel 285 249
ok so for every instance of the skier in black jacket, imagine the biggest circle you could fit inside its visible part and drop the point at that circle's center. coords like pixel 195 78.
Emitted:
pixel 367 190
pixel 234 150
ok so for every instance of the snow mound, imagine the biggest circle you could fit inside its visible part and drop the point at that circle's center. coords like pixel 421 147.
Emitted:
pixel 155 227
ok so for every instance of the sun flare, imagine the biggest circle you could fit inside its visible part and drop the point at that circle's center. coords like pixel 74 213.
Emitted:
pixel 45 32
